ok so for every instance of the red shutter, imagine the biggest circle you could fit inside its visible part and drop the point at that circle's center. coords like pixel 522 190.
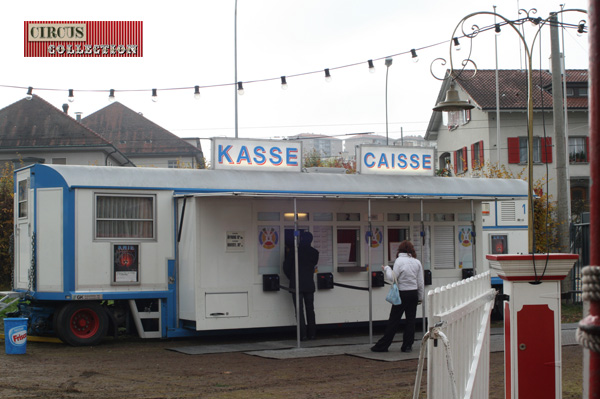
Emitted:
pixel 466 163
pixel 587 149
pixel 481 159
pixel 473 159
pixel 513 150
pixel 546 149
pixel 455 163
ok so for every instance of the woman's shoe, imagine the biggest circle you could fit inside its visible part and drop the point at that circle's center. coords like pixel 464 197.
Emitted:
pixel 376 349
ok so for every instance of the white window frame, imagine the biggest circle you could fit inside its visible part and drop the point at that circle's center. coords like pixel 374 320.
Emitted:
pixel 125 238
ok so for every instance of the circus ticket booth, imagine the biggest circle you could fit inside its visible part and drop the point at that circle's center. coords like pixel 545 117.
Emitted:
pixel 186 251
pixel 532 322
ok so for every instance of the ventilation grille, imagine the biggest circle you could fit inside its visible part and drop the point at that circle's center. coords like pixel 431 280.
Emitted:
pixel 508 211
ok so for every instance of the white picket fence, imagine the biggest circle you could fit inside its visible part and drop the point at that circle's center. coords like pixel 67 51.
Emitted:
pixel 458 344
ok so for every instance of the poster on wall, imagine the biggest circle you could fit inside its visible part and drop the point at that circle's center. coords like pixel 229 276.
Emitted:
pixel 235 241
pixel 268 249
pixel 126 262
pixel 423 251
pixel 376 245
pixel 465 247
pixel 499 244
pixel 323 242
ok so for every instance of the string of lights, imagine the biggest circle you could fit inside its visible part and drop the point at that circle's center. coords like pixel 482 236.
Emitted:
pixel 580 27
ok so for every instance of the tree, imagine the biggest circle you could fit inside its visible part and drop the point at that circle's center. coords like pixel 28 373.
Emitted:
pixel 6 224
pixel 314 159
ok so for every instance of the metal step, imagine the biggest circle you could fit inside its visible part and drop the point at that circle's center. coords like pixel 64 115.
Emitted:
pixel 8 298
pixel 138 316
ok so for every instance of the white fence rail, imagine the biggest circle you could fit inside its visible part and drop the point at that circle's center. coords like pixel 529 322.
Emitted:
pixel 458 363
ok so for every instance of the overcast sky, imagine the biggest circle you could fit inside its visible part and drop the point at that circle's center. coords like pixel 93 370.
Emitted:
pixel 188 43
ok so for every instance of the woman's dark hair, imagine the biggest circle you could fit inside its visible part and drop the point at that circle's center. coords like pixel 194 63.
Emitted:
pixel 406 247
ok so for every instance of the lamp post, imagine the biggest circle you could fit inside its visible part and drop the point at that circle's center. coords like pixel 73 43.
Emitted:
pixel 388 63
pixel 453 103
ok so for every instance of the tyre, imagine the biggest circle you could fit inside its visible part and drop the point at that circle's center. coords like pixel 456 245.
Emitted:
pixel 81 323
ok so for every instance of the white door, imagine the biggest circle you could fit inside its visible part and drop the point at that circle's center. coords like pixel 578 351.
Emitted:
pixel 23 230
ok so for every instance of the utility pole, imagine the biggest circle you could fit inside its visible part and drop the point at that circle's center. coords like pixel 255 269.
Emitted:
pixel 562 184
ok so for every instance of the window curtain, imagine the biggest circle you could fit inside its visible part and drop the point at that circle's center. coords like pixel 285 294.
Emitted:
pixel 124 217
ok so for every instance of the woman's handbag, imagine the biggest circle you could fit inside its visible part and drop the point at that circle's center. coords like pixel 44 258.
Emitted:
pixel 393 295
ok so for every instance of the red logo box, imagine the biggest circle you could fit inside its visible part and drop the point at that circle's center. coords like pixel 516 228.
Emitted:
pixel 83 39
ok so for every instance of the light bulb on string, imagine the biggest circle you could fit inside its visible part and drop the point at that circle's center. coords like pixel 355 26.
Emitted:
pixel 197 92
pixel 71 97
pixel 497 29
pixel 29 94
pixel 327 75
pixel 240 89
pixel 111 95
pixel 456 44
pixel 371 66
pixel 154 95
pixel 284 85
pixel 414 55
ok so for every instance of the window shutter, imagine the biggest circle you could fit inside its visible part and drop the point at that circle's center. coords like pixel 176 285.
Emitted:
pixel 443 247
pixel 473 159
pixel 587 149
pixel 455 162
pixel 465 159
pixel 547 150
pixel 481 159
pixel 513 150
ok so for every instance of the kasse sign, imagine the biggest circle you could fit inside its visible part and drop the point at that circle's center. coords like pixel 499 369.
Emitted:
pixel 374 159
pixel 243 154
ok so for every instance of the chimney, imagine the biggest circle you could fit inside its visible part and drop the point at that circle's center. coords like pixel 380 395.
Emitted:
pixel 78 116
pixel 66 108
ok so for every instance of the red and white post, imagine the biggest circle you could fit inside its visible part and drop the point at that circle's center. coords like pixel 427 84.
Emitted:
pixel 532 325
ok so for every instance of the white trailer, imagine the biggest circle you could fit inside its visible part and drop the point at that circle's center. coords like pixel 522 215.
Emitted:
pixel 184 251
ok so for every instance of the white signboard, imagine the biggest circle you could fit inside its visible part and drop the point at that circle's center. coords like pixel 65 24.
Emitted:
pixel 374 159
pixel 235 241
pixel 242 154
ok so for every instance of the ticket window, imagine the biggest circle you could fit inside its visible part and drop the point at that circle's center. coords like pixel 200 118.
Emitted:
pixel 395 237
pixel 348 246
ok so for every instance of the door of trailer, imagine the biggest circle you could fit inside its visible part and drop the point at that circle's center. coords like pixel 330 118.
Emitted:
pixel 23 234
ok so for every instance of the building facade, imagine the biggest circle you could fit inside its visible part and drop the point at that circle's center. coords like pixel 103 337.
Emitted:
pixel 476 139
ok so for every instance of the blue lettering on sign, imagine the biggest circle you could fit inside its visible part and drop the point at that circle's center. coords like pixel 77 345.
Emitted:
pixel 402 161
pixel 414 161
pixel 292 156
pixel 244 156
pixel 426 161
pixel 383 161
pixel 259 153
pixel 224 152
pixel 276 158
pixel 367 163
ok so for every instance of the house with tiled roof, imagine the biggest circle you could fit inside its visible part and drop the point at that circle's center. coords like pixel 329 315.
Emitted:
pixel 34 131
pixel 471 139
pixel 141 140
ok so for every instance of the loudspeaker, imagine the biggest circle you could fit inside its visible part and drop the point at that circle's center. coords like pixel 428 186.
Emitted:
pixel 270 282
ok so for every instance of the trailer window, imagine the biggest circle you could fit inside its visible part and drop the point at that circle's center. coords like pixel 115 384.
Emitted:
pixel 23 194
pixel 125 217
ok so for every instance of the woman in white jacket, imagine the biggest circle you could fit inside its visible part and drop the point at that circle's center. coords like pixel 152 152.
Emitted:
pixel 409 275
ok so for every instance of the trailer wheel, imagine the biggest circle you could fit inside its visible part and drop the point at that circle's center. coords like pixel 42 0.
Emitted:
pixel 81 323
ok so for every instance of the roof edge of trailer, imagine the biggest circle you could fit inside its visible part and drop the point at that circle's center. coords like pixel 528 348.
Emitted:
pixel 287 184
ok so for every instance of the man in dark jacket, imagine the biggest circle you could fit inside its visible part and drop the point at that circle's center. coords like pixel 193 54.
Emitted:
pixel 308 257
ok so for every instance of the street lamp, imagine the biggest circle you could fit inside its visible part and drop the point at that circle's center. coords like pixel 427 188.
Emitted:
pixel 388 63
pixel 452 103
